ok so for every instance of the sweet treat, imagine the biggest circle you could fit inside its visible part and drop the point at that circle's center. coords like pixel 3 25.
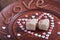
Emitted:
pixel 31 24
pixel 43 24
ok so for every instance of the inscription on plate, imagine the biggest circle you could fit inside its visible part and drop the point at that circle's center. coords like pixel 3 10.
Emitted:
pixel 39 3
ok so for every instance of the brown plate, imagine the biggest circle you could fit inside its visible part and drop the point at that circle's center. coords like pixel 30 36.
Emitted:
pixel 14 28
pixel 13 9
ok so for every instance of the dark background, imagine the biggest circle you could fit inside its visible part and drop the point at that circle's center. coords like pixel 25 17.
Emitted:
pixel 4 3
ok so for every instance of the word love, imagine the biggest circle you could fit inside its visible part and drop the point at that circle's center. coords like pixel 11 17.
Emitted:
pixel 38 3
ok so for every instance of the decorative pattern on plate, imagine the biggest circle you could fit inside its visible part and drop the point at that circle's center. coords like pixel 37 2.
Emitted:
pixel 44 34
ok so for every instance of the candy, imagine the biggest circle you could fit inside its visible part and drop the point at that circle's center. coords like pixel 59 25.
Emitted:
pixel 31 25
pixel 43 24
pixel 18 34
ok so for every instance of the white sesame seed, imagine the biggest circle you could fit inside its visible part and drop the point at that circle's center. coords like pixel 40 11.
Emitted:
pixel 58 33
pixel 48 14
pixel 49 32
pixel 19 19
pixel 29 31
pixel 3 27
pixel 45 16
pixel 33 16
pixel 47 35
pixel 43 36
pixel 18 34
pixel 52 25
pixel 8 36
pixel 39 35
pixel 26 15
pixel 45 13
pixel 36 13
pixel 52 18
pixel 22 19
pixel 25 30
pixel 36 34
pixel 26 19
pixel 58 22
pixel 21 26
pixel 23 22
pixel 44 33
pixel 18 22
pixel 32 32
